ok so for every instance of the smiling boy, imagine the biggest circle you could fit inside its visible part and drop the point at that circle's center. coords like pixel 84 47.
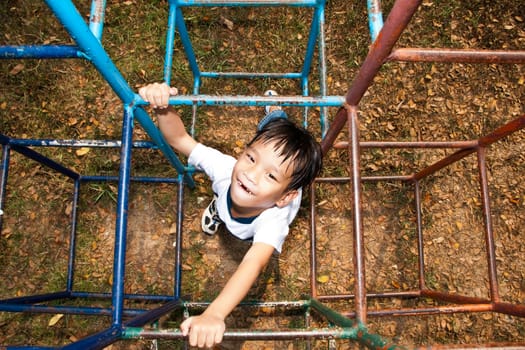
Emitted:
pixel 257 196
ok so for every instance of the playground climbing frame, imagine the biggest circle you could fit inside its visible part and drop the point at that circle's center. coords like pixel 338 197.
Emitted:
pixel 349 324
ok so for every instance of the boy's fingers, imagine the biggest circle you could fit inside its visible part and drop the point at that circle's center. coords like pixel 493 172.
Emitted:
pixel 214 339
pixel 194 339
pixel 185 326
pixel 157 94
pixel 218 336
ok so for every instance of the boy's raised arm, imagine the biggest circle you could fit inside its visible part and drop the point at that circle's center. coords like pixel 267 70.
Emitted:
pixel 208 328
pixel 170 124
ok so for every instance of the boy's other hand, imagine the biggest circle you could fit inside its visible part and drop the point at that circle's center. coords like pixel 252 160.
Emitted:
pixel 203 330
pixel 157 94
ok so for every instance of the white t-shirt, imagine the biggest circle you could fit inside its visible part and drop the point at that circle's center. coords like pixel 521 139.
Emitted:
pixel 270 227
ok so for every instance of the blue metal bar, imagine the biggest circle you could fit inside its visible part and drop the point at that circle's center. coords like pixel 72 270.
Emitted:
pixel 251 75
pixel 119 259
pixel 78 143
pixel 246 3
pixel 178 240
pixel 186 43
pixel 323 117
pixel 310 48
pixel 192 60
pixel 281 100
pixel 375 18
pixel 96 18
pixel 170 43
pixel 32 299
pixel 4 172
pixel 40 51
pixel 73 238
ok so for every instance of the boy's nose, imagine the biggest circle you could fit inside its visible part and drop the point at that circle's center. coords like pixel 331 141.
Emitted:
pixel 252 174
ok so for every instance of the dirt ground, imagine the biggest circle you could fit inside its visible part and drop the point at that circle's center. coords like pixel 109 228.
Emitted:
pixel 407 101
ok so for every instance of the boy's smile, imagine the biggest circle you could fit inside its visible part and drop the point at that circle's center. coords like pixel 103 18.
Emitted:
pixel 259 180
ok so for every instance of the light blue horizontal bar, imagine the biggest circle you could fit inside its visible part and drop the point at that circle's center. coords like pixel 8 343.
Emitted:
pixel 213 100
pixel 223 3
pixel 78 143
pixel 248 75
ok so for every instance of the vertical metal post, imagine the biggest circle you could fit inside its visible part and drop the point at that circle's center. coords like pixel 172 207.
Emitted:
pixel 375 18
pixel 420 245
pixel 176 12
pixel 322 70
pixel 4 172
pixel 178 239
pixel 489 233
pixel 313 243
pixel 170 42
pixel 119 260
pixel 96 18
pixel 73 238
pixel 355 169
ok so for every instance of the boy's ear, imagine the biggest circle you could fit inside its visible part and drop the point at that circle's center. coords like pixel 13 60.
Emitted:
pixel 287 198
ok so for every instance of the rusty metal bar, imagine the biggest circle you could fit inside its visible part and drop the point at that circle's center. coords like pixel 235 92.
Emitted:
pixel 444 163
pixel 503 131
pixel 453 298
pixel 410 144
pixel 404 294
pixel 420 245
pixel 490 246
pixel 510 309
pixel 457 56
pixel 313 242
pixel 359 259
pixel 427 311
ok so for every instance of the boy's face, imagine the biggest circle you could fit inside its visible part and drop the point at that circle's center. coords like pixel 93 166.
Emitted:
pixel 259 180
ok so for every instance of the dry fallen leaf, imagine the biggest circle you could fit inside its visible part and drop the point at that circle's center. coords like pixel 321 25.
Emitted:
pixel 17 69
pixel 227 23
pixel 323 278
pixel 82 151
pixel 54 320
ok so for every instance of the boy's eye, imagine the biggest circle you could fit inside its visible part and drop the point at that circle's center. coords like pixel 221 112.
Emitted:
pixel 272 176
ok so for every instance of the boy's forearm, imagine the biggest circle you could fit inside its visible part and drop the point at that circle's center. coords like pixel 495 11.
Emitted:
pixel 174 131
pixel 239 284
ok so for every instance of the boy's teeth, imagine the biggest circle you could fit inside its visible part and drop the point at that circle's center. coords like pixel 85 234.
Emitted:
pixel 245 188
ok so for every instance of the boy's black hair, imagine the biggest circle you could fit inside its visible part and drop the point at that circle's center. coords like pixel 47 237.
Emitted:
pixel 296 144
